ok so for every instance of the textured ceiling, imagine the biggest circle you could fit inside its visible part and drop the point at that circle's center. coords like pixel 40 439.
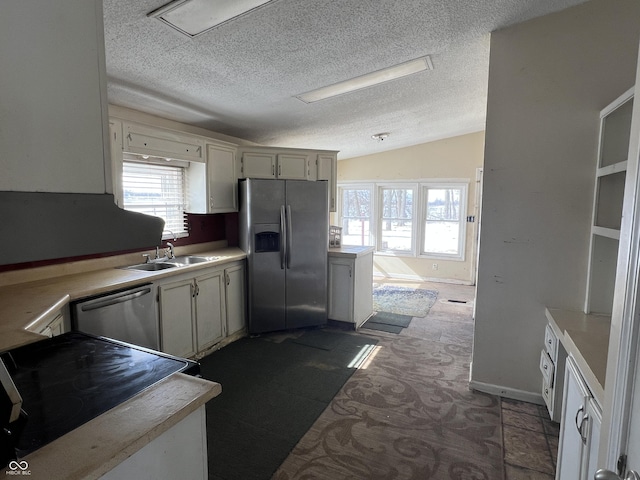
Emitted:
pixel 241 77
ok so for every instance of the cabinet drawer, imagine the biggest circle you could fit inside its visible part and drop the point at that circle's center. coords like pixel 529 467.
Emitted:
pixel 547 368
pixel 551 342
pixel 547 395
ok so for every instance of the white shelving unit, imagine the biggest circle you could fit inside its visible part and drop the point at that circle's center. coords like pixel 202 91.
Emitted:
pixel 615 128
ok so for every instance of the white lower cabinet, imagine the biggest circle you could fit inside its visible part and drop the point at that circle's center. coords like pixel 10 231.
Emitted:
pixel 579 429
pixel 176 306
pixel 235 297
pixel 351 287
pixel 198 312
pixel 341 288
pixel 180 452
pixel 210 309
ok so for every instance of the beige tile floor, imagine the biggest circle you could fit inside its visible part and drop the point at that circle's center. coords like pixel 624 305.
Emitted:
pixel 530 438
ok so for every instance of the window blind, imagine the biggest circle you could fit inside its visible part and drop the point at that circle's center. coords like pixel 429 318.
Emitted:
pixel 157 190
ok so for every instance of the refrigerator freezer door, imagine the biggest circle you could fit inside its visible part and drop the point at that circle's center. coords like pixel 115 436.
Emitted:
pixel 261 204
pixel 307 240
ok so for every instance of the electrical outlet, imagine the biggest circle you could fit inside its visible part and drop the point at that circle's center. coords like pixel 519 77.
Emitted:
pixel 434 266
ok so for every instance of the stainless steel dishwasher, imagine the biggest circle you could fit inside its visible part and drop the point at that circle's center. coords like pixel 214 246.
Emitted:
pixel 127 315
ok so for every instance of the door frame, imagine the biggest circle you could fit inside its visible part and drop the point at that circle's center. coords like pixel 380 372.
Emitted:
pixel 625 322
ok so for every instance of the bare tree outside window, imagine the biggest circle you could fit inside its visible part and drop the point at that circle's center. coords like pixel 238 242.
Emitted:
pixel 397 219
pixel 356 216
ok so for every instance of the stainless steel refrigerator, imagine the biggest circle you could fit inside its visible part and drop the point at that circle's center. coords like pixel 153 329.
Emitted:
pixel 284 231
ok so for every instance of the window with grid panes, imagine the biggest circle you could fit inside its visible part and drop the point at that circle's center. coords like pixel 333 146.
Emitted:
pixel 396 233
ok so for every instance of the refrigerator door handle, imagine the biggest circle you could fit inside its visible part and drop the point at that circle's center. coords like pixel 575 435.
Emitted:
pixel 283 238
pixel 290 236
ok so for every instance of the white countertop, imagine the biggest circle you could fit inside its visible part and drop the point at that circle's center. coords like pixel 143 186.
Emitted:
pixel 350 251
pixel 586 338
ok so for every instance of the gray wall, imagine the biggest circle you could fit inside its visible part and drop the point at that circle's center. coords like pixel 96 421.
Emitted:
pixel 548 80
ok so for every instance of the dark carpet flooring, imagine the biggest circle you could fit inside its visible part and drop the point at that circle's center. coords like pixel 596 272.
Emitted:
pixel 273 389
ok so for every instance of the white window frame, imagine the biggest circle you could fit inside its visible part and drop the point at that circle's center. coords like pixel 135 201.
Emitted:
pixel 145 159
pixel 378 216
pixel 372 219
pixel 462 222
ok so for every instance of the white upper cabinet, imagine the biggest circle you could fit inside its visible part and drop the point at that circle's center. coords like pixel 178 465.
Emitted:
pixel 270 163
pixel 258 165
pixel 327 167
pixel 222 179
pixel 164 143
pixel 292 166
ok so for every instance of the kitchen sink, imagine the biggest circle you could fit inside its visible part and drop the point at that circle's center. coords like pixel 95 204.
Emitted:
pixel 176 262
pixel 191 259
pixel 152 267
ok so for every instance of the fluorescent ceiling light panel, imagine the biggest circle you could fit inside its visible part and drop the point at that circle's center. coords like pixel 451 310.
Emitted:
pixel 193 17
pixel 368 80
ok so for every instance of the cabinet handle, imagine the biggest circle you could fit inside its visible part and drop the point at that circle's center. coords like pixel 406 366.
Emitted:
pixel 279 170
pixel 546 367
pixel 210 202
pixel 350 272
pixel 228 279
pixel 273 169
pixel 580 410
pixel 582 429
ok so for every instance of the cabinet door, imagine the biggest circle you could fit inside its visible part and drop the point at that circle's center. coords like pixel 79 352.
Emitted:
pixel 258 165
pixel 221 171
pixel 341 290
pixel 148 140
pixel 572 427
pixel 210 309
pixel 595 422
pixel 327 165
pixel 53 328
pixel 115 145
pixel 176 318
pixel 293 166
pixel 235 297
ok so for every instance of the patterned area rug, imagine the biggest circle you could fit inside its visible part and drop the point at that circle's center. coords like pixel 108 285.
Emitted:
pixel 403 300
pixel 408 415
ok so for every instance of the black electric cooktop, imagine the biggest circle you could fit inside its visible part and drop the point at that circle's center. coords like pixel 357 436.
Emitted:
pixel 67 380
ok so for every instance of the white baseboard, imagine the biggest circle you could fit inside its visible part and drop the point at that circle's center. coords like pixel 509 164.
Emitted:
pixel 507 392
pixel 418 278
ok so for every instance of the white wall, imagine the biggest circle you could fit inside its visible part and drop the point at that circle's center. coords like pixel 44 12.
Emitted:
pixel 53 97
pixel 548 80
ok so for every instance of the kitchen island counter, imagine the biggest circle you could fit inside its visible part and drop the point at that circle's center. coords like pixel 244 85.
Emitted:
pixel 93 449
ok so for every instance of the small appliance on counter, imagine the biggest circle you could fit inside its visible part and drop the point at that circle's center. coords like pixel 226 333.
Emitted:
pixel 335 236
pixel 68 380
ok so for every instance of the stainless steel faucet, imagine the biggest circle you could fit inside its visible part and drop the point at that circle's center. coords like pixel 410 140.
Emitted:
pixel 170 245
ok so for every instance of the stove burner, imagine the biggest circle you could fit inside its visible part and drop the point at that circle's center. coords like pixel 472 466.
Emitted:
pixel 67 380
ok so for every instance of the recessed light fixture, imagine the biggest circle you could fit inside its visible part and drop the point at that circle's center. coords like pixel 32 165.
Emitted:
pixel 368 80
pixel 379 136
pixel 194 17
